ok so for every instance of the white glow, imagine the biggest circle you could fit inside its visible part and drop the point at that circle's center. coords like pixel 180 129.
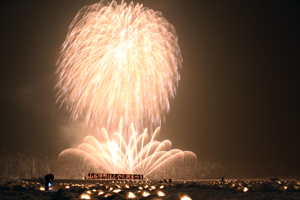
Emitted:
pixel 160 193
pixel 84 196
pixel 145 193
pixel 117 190
pixel 185 198
pixel 131 195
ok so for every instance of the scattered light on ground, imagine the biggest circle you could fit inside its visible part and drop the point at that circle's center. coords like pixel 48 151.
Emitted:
pixel 183 190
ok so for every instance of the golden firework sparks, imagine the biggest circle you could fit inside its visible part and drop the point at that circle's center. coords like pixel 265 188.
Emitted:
pixel 140 154
pixel 119 61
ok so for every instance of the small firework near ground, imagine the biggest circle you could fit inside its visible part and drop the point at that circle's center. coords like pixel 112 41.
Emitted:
pixel 141 155
pixel 175 190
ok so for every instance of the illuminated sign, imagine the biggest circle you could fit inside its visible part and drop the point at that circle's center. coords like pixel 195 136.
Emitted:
pixel 114 176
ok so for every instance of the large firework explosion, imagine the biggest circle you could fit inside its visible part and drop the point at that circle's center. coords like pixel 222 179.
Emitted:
pixel 118 69
pixel 119 61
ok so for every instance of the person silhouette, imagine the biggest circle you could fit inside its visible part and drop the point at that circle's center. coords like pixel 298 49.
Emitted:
pixel 48 178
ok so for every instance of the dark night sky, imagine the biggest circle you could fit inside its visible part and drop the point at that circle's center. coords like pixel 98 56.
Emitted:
pixel 238 97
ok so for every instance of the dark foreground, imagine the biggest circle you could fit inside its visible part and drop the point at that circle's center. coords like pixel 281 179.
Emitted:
pixel 179 190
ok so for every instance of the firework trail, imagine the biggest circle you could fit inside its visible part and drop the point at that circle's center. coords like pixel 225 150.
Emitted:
pixel 119 61
pixel 140 154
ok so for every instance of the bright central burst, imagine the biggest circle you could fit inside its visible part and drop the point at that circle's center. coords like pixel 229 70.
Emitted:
pixel 119 61
pixel 119 64
pixel 141 154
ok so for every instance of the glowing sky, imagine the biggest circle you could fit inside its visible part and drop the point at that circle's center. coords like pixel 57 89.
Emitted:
pixel 238 95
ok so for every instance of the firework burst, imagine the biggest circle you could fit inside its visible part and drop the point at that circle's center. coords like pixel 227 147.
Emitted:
pixel 119 61
pixel 139 154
